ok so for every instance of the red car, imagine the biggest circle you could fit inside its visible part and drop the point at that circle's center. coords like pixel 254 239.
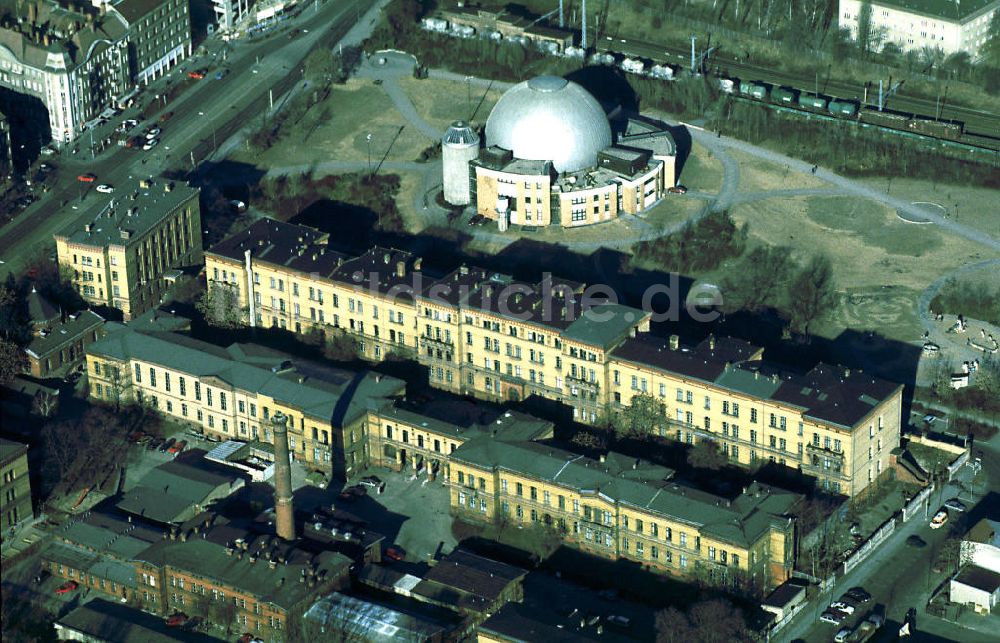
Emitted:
pixel 67 587
pixel 177 447
pixel 197 74
pixel 395 552
pixel 87 178
pixel 176 620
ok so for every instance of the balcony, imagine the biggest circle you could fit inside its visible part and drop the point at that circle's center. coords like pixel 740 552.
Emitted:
pixel 426 340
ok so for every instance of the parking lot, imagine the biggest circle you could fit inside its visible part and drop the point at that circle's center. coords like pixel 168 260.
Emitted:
pixel 411 513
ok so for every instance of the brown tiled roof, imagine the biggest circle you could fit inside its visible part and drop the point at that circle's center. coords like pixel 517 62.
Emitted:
pixel 835 394
pixel 475 575
pixel 706 361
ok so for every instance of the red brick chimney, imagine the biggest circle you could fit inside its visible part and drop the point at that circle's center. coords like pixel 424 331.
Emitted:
pixel 284 521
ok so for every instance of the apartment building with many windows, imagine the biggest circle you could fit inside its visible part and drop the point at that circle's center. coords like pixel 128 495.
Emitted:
pixel 76 60
pixel 622 508
pixel 948 25
pixel 488 335
pixel 15 488
pixel 230 393
pixel 831 423
pixel 122 257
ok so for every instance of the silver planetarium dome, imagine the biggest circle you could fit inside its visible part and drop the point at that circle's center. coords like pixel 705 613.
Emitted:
pixel 549 118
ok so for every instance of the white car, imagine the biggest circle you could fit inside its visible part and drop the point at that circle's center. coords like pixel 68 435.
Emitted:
pixel 843 606
pixel 842 635
pixel 150 144
pixel 153 132
pixel 939 519
pixel 833 618
pixel 105 188
pixel 955 504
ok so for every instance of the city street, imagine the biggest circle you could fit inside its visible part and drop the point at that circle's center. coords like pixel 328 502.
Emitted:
pixel 206 107
pixel 900 576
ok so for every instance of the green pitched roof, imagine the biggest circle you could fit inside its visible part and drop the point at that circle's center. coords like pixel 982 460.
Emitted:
pixel 603 325
pixel 638 483
pixel 333 395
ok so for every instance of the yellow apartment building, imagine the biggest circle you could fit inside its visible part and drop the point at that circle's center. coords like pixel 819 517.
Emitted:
pixel 230 393
pixel 15 489
pixel 831 423
pixel 485 334
pixel 623 508
pixel 423 441
pixel 134 237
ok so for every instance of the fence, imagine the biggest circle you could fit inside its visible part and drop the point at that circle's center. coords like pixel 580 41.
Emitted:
pixel 913 506
pixel 870 545
pixel 959 462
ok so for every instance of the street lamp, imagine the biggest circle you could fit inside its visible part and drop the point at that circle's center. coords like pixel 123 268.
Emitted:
pixel 369 139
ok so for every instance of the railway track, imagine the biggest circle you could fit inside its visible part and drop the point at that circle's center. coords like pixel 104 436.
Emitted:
pixel 982 125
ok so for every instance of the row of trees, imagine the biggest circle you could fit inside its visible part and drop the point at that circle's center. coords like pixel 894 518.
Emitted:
pixel 769 277
pixel 978 301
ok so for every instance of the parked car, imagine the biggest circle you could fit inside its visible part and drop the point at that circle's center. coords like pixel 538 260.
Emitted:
pixel 476 218
pixel 373 482
pixel 858 594
pixel 67 587
pixel 154 444
pixel 166 445
pixel 395 552
pixel 135 141
pixel 833 617
pixel 842 635
pixel 105 188
pixel 677 189
pixel 152 132
pixel 135 436
pixel 620 621
pixel 916 541
pixel 955 504
pixel 238 206
pixel 197 74
pixel 166 116
pixel 177 619
pixel 939 519
pixel 89 177
pixel 178 447
pixel 844 606
pixel 150 144
pixel 222 73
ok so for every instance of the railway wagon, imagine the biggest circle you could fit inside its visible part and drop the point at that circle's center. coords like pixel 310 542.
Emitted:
pixel 842 108
pixel 785 95
pixel 754 89
pixel 812 101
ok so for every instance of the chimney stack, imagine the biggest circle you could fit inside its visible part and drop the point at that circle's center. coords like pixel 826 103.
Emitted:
pixel 284 512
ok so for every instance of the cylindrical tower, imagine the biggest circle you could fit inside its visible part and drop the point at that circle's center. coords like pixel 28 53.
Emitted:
pixel 459 146
pixel 284 521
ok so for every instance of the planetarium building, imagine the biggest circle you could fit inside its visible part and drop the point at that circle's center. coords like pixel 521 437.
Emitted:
pixel 550 158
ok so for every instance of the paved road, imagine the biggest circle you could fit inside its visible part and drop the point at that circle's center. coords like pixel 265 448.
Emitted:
pixel 204 108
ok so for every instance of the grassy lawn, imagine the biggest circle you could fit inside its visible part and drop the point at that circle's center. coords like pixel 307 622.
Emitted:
pixel 701 171
pixel 757 175
pixel 441 102
pixel 971 206
pixel 337 129
pixel 875 224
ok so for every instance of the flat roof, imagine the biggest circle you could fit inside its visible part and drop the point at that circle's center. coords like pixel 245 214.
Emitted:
pixel 116 623
pixel 950 10
pixel 132 211
pixel 979 578
pixel 10 449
